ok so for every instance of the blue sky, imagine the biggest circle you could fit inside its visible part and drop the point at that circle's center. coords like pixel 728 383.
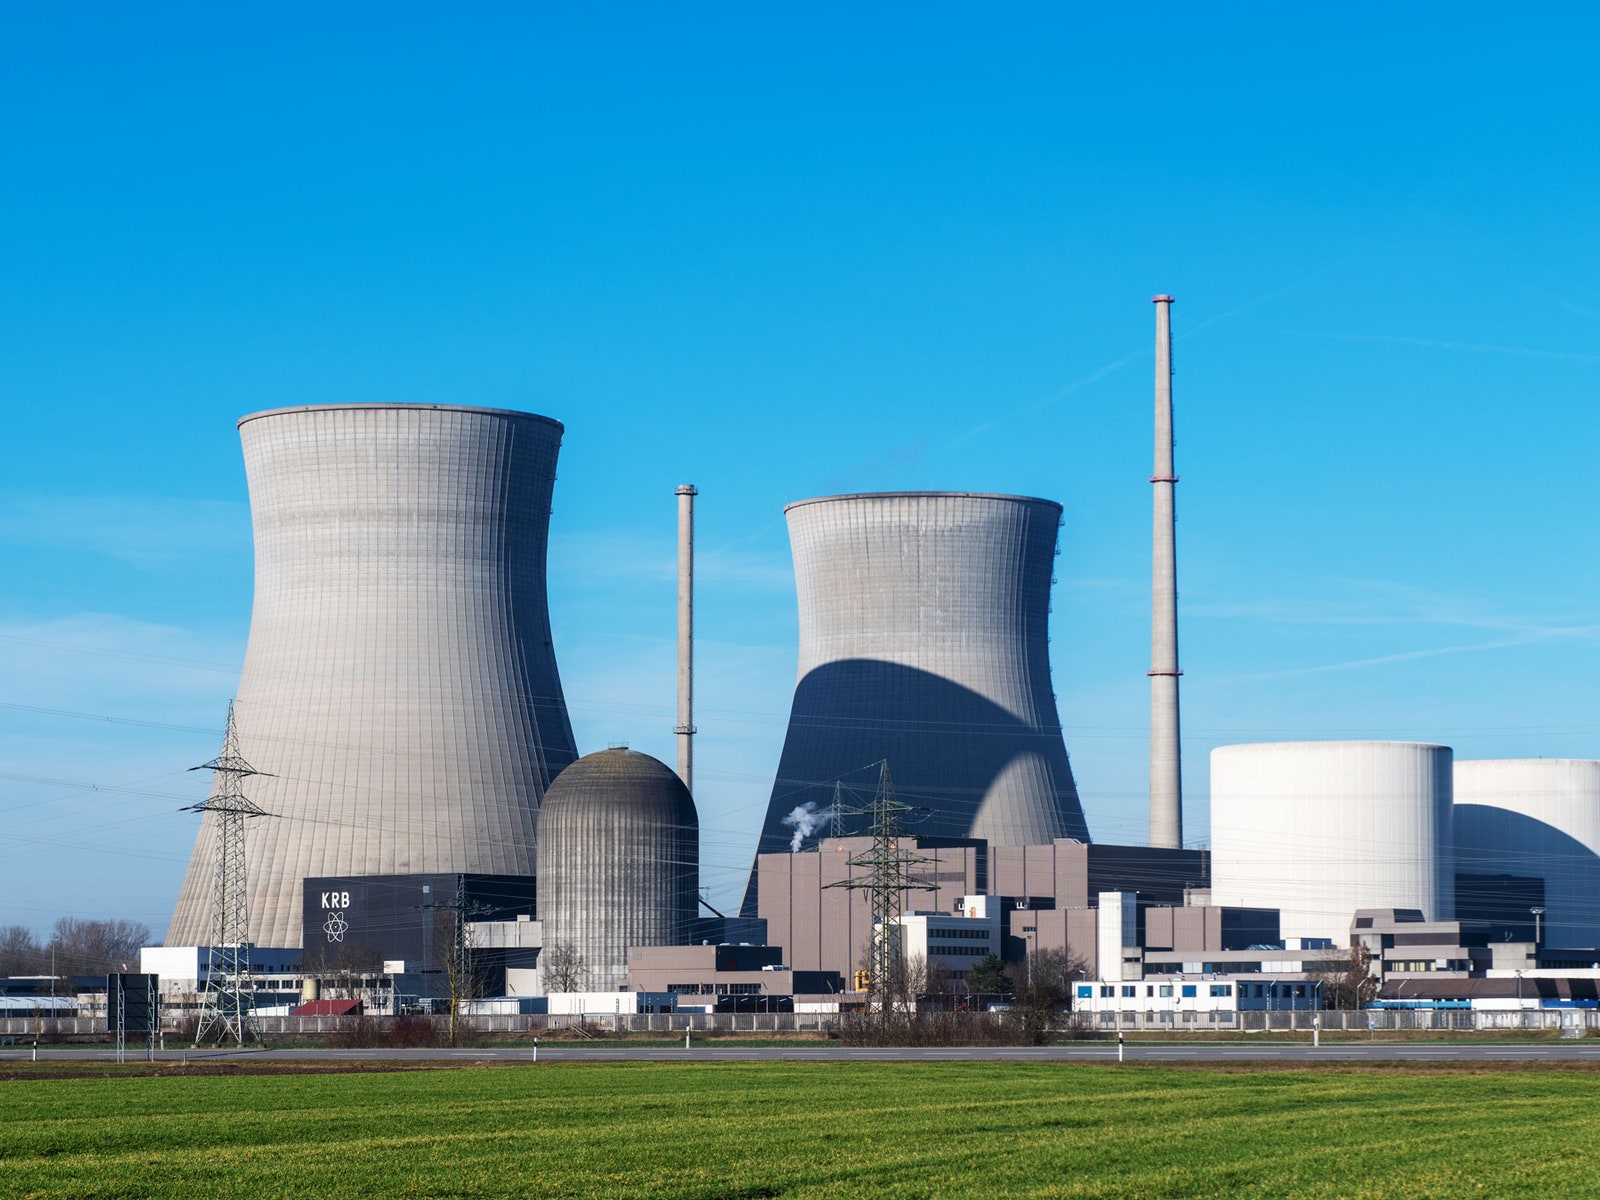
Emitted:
pixel 782 254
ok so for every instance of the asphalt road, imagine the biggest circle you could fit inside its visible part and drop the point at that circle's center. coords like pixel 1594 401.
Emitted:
pixel 1301 1052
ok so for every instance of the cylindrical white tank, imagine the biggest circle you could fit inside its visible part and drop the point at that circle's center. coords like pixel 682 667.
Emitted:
pixel 1320 829
pixel 399 690
pixel 1540 818
pixel 619 863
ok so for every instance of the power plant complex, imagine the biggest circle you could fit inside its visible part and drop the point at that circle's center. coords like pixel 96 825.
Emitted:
pixel 421 794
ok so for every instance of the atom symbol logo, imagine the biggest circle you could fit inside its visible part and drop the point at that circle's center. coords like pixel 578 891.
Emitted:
pixel 335 927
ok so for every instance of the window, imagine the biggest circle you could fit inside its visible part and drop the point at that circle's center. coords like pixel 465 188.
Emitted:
pixel 1149 990
pixel 1085 991
pixel 1222 989
pixel 1107 991
pixel 1189 990
pixel 1130 990
pixel 1166 990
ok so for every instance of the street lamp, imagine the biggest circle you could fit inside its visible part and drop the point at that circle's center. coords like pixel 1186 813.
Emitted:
pixel 1538 924
pixel 1026 930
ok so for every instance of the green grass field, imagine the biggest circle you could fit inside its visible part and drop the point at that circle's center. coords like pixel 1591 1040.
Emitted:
pixel 806 1130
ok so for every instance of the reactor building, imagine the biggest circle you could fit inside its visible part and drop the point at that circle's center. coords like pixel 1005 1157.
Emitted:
pixel 619 863
pixel 924 641
pixel 1533 819
pixel 1318 830
pixel 399 691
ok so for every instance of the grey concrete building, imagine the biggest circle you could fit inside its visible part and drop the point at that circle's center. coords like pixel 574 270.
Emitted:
pixel 399 689
pixel 619 862
pixel 924 641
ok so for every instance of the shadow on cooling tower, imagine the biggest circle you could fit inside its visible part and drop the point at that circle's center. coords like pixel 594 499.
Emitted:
pixel 947 748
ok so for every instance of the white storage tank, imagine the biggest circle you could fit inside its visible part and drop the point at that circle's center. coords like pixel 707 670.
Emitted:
pixel 1320 829
pixel 1540 818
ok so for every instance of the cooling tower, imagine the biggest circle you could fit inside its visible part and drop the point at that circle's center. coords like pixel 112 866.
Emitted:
pixel 619 862
pixel 1320 829
pixel 1540 818
pixel 924 640
pixel 399 688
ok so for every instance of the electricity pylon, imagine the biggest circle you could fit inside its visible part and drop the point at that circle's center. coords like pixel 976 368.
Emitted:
pixel 886 882
pixel 229 1004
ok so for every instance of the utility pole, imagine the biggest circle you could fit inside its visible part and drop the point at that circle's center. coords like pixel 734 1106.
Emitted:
pixel 886 881
pixel 458 968
pixel 229 1004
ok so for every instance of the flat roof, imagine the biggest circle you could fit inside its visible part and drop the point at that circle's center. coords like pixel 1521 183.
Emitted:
pixel 463 408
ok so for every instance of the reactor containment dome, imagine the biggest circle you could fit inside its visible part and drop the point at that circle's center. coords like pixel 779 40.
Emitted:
pixel 399 689
pixel 1540 818
pixel 924 642
pixel 1320 829
pixel 619 863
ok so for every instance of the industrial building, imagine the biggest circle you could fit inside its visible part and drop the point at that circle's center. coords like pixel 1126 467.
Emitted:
pixel 1320 829
pixel 399 693
pixel 924 622
pixel 402 712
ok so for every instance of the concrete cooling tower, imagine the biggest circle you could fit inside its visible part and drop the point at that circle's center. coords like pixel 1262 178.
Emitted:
pixel 924 641
pixel 1320 829
pixel 1536 818
pixel 399 689
pixel 619 862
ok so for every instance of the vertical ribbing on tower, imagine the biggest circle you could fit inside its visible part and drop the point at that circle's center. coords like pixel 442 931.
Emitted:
pixel 1166 780
pixel 685 728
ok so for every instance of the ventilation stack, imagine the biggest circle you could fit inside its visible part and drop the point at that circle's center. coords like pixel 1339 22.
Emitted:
pixel 1166 775
pixel 685 729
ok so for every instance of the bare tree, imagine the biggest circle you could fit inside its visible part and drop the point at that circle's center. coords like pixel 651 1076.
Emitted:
pixel 564 968
pixel 463 975
pixel 1349 983
pixel 1052 972
pixel 97 947
pixel 20 952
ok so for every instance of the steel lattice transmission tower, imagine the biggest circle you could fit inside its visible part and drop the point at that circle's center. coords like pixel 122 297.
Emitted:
pixel 886 882
pixel 230 989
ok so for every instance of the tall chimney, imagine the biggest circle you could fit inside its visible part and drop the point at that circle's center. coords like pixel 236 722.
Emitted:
pixel 685 728
pixel 1166 779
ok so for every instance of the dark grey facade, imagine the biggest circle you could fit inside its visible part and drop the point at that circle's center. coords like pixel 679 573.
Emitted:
pixel 354 920
pixel 924 642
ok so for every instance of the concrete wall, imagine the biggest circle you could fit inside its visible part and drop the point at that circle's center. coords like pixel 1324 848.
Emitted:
pixel 399 688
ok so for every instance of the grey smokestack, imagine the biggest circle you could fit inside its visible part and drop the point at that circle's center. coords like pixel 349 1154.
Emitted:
pixel 1166 779
pixel 685 729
